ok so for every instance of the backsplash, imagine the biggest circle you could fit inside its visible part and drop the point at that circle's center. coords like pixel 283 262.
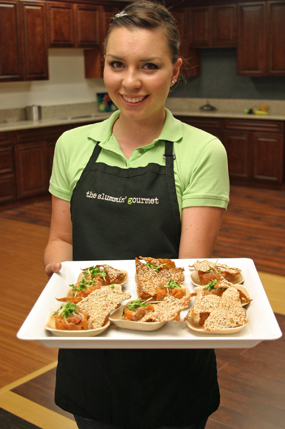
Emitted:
pixel 219 80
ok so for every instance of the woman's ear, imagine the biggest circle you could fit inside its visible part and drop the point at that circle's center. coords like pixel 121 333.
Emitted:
pixel 176 69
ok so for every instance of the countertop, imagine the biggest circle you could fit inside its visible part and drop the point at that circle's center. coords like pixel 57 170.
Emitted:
pixel 25 125
pixel 22 125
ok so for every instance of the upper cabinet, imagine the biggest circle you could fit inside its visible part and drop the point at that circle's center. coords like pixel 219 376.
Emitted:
pixel 261 39
pixel 193 65
pixel 23 48
pixel 73 25
pixel 11 67
pixel 213 26
pixel 35 54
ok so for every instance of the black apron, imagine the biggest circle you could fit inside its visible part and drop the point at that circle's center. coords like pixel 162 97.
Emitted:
pixel 120 214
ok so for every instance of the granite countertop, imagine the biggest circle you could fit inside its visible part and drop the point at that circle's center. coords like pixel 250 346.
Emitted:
pixel 83 113
pixel 228 114
pixel 25 125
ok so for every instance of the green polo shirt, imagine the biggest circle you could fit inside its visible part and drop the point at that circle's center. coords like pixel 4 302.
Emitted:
pixel 200 166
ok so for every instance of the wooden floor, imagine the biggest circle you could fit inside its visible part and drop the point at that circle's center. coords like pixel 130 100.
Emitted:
pixel 252 381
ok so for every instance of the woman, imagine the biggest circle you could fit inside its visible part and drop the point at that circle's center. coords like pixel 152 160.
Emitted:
pixel 103 175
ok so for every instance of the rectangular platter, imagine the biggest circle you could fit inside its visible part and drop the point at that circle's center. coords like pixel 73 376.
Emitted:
pixel 262 324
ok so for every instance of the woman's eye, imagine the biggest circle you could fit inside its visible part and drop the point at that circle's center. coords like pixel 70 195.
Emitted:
pixel 116 64
pixel 150 66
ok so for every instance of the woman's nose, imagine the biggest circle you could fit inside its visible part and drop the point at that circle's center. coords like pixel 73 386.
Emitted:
pixel 132 79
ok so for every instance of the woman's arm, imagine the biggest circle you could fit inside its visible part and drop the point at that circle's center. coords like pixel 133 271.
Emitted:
pixel 200 227
pixel 59 246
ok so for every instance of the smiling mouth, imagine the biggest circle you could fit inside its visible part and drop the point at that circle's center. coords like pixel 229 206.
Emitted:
pixel 134 99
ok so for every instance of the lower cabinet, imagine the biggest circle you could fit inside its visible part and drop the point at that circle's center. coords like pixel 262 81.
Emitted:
pixel 7 168
pixel 26 158
pixel 255 149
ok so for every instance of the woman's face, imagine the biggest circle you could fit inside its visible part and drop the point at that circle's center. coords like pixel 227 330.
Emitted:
pixel 138 71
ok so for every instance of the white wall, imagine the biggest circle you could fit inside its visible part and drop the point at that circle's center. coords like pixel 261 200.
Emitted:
pixel 66 84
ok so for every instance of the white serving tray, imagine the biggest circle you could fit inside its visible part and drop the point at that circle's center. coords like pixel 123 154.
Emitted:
pixel 262 323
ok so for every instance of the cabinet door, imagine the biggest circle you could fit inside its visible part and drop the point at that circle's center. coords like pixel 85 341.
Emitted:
pixel 237 145
pixel 224 19
pixel 60 25
pixel 31 169
pixel 7 168
pixel 268 158
pixel 199 18
pixel 34 41
pixel 10 46
pixel 93 57
pixel 276 33
pixel 252 44
pixel 87 26
pixel 191 65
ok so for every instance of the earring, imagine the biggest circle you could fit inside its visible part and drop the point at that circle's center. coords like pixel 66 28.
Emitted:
pixel 173 81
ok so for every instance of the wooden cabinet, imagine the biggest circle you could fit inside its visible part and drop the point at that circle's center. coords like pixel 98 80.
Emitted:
pixel 93 57
pixel 35 54
pixel 73 25
pixel 10 46
pixel 255 151
pixel 33 158
pixel 7 168
pixel 261 39
pixel 26 158
pixel 213 26
pixel 276 38
pixel 23 49
pixel 60 24
pixel 255 148
pixel 191 65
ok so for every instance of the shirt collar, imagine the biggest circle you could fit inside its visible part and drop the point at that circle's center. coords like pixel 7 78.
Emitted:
pixel 172 129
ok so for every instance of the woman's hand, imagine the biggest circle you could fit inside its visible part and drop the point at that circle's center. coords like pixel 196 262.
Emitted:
pixel 53 267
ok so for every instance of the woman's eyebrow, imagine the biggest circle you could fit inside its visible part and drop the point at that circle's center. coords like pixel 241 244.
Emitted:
pixel 142 59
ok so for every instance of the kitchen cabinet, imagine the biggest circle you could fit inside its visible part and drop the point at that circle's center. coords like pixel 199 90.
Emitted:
pixel 23 49
pixel 73 25
pixel 60 25
pixel 35 54
pixel 7 168
pixel 11 67
pixel 93 57
pixel 26 158
pixel 192 65
pixel 261 39
pixel 255 151
pixel 255 148
pixel 213 26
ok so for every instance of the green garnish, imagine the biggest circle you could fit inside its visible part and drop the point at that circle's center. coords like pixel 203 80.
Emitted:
pixel 211 284
pixel 132 305
pixel 94 272
pixel 66 310
pixel 171 285
pixel 154 267
pixel 111 286
pixel 82 285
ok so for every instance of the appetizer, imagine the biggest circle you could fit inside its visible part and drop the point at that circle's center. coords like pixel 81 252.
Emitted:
pixel 166 310
pixel 154 273
pixel 215 312
pixel 91 312
pixel 208 271
pixel 94 278
pixel 170 288
pixel 69 317
pixel 99 304
pixel 136 309
pixel 218 287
